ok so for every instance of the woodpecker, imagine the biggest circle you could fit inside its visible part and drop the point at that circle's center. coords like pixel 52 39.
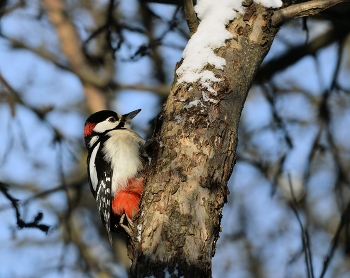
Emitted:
pixel 115 166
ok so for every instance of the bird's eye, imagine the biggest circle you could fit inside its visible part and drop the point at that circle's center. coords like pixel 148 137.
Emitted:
pixel 112 120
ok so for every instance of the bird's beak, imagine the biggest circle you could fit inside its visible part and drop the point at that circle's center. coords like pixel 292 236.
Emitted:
pixel 128 117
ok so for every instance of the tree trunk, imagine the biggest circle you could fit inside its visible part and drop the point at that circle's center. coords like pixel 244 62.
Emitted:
pixel 186 187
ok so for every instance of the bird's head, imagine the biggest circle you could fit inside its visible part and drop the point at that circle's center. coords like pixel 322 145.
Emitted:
pixel 99 123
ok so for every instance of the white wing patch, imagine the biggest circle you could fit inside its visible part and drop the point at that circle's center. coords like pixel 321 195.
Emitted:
pixel 92 167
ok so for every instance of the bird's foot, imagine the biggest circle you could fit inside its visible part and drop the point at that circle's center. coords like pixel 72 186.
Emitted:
pixel 127 228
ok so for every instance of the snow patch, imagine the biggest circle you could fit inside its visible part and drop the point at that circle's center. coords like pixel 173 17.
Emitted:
pixel 193 103
pixel 207 98
pixel 211 35
pixel 270 3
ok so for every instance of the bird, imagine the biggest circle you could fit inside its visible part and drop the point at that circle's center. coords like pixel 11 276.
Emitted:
pixel 115 167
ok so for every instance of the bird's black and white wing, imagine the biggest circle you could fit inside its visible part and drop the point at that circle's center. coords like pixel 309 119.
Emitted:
pixel 100 174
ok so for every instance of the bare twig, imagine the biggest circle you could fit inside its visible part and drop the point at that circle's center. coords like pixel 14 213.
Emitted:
pixel 6 10
pixel 87 251
pixel 303 9
pixel 269 94
pixel 77 185
pixel 296 53
pixel 20 222
pixel 304 234
pixel 146 49
pixel 95 97
pixel 161 89
pixel 344 221
pixel 39 51
pixel 70 43
pixel 191 17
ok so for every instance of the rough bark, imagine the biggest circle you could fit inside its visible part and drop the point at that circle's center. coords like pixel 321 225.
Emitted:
pixel 179 220
pixel 193 159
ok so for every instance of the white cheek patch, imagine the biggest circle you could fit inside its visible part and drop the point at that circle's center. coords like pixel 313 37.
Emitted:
pixel 92 167
pixel 105 125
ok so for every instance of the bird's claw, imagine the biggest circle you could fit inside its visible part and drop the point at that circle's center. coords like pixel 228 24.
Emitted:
pixel 127 228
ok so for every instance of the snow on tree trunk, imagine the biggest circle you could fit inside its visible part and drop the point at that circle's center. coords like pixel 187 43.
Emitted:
pixel 179 220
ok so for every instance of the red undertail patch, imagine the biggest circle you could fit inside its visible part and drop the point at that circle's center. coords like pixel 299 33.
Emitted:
pixel 127 201
pixel 88 129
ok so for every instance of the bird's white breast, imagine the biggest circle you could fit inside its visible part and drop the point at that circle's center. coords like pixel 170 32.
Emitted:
pixel 123 150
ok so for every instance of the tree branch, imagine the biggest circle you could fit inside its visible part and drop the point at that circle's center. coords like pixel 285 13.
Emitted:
pixel 4 10
pixel 191 17
pixel 296 53
pixel 344 221
pixel 302 9
pixel 20 222
pixel 304 233
pixel 95 98
pixel 70 44
pixel 161 89
pixel 39 51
